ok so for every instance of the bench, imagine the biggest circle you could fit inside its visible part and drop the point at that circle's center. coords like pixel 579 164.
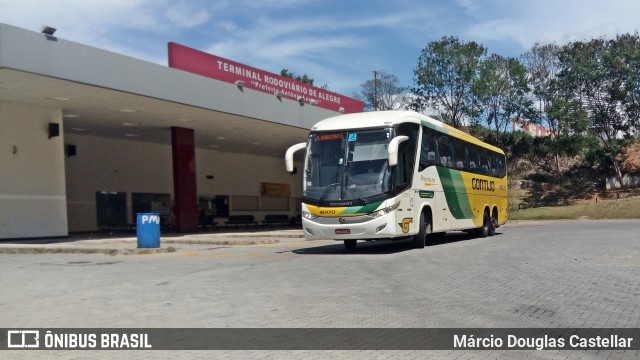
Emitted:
pixel 237 220
pixel 271 220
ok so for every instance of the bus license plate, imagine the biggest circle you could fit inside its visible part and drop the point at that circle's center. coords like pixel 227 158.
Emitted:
pixel 343 231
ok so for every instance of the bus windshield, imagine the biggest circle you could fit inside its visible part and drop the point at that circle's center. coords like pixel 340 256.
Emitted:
pixel 347 166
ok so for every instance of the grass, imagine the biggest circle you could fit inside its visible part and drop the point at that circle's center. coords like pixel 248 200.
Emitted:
pixel 604 209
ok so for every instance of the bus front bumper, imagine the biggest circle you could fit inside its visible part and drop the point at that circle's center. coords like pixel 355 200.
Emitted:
pixel 362 227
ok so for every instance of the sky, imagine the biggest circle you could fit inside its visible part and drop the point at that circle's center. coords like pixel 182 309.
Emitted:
pixel 336 42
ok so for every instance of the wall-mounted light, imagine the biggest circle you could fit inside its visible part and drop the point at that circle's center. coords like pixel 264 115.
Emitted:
pixel 48 30
pixel 239 83
pixel 301 100
pixel 341 109
pixel 313 102
pixel 278 94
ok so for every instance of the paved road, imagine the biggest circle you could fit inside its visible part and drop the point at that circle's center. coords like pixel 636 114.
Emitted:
pixel 544 274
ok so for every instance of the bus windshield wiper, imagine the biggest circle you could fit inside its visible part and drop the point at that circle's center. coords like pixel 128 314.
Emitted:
pixel 331 184
pixel 355 188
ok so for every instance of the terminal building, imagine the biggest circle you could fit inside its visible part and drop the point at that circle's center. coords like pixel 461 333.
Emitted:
pixel 89 138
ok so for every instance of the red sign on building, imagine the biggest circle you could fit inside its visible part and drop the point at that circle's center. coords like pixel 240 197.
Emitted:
pixel 215 67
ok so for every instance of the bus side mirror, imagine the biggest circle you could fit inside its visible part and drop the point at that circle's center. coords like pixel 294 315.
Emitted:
pixel 288 156
pixel 393 149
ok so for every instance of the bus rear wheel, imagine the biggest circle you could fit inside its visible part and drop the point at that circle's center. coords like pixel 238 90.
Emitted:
pixel 483 231
pixel 350 244
pixel 493 225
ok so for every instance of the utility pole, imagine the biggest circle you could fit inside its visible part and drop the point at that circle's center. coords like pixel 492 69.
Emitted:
pixel 375 90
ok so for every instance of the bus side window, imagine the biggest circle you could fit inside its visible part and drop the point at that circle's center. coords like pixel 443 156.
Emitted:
pixel 461 155
pixel 406 154
pixel 473 158
pixel 446 151
pixel 487 166
pixel 482 165
pixel 428 150
pixel 502 171
pixel 493 164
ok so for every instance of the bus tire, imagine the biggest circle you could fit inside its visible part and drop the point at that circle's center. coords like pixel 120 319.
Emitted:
pixel 483 231
pixel 492 225
pixel 424 228
pixel 350 244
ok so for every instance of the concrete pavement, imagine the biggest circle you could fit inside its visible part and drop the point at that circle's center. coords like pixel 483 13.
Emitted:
pixel 547 274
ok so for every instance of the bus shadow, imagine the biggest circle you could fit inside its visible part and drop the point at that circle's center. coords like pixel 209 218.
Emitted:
pixel 364 248
pixel 383 247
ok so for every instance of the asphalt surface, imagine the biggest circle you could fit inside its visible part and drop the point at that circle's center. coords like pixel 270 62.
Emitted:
pixel 552 274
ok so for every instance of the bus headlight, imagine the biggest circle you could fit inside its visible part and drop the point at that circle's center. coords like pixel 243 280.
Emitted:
pixel 308 215
pixel 384 211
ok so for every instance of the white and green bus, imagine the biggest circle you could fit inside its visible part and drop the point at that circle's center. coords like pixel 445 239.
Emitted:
pixel 398 174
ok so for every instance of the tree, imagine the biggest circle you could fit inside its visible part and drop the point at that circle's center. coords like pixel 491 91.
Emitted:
pixel 446 70
pixel 543 65
pixel 627 68
pixel 304 78
pixel 501 93
pixel 384 93
pixel 597 80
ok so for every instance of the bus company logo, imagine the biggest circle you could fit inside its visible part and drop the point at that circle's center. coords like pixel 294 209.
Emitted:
pixel 406 225
pixel 486 185
pixel 23 339
pixel 341 203
pixel 427 180
pixel 341 220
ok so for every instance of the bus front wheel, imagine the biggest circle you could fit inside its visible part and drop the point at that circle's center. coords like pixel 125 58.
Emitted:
pixel 350 244
pixel 424 229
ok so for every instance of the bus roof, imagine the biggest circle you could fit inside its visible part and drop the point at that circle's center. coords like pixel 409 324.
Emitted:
pixel 378 119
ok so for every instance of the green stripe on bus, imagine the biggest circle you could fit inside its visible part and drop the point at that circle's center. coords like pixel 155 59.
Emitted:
pixel 455 193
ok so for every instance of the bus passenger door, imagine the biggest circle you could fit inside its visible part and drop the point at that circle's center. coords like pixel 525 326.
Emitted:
pixel 441 213
pixel 436 200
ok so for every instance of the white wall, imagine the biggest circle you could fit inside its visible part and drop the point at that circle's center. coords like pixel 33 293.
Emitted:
pixel 102 164
pixel 32 176
pixel 105 164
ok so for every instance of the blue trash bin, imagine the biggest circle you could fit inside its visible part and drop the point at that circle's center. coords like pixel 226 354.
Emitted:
pixel 148 230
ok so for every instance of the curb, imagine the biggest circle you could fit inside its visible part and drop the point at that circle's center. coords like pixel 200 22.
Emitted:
pixel 221 242
pixel 42 250
pixel 133 251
